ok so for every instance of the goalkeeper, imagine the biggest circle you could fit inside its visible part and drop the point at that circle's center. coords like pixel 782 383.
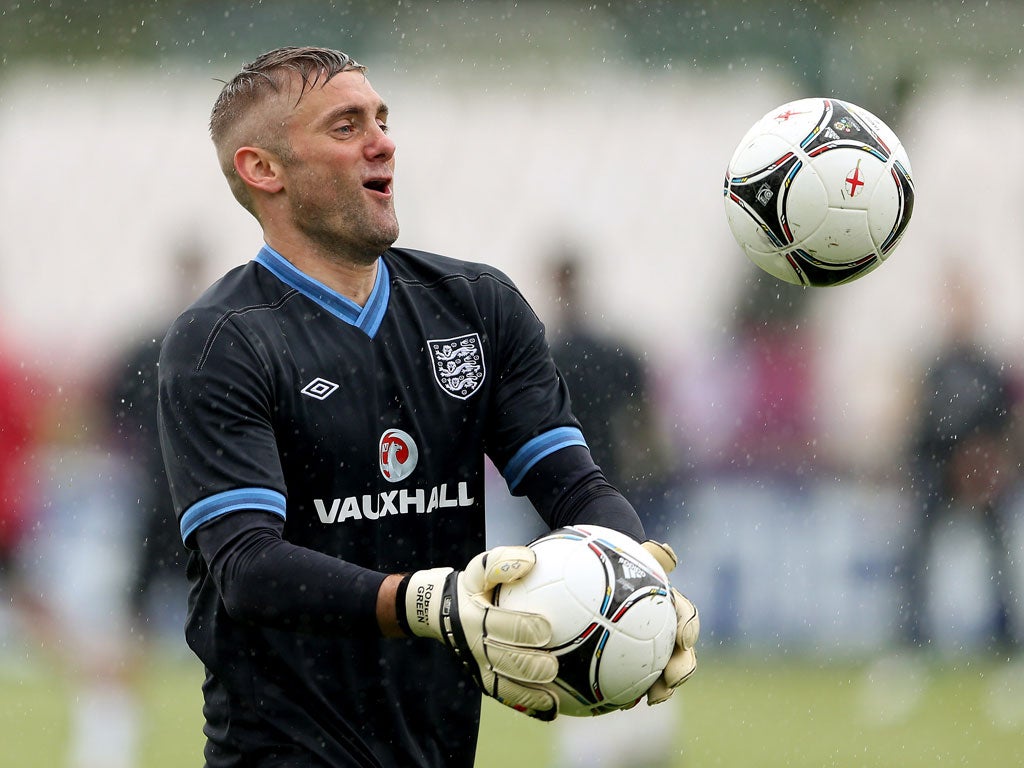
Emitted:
pixel 325 411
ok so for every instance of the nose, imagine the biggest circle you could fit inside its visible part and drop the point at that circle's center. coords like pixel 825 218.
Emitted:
pixel 380 144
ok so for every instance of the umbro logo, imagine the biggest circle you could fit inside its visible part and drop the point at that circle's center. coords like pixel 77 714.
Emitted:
pixel 319 389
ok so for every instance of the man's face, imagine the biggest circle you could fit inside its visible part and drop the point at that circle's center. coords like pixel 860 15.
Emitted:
pixel 339 168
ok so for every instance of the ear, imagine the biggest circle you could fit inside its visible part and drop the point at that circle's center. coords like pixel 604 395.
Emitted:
pixel 259 169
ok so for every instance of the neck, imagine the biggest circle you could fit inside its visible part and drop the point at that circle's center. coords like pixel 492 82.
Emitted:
pixel 352 279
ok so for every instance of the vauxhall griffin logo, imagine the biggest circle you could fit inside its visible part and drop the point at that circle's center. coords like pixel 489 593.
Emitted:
pixel 398 455
pixel 458 364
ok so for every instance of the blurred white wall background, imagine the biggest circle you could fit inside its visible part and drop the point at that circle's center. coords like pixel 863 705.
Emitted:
pixel 107 172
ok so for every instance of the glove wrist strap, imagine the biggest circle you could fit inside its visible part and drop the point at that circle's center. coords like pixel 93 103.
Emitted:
pixel 424 594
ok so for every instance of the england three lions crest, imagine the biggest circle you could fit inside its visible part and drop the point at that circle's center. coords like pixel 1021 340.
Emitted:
pixel 458 364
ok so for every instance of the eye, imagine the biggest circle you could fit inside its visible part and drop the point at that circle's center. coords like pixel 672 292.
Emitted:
pixel 344 129
pixel 383 126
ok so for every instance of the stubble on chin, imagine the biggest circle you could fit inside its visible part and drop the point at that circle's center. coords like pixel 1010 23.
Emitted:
pixel 377 240
pixel 358 240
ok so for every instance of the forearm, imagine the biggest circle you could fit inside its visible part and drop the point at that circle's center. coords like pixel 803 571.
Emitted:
pixel 567 487
pixel 265 580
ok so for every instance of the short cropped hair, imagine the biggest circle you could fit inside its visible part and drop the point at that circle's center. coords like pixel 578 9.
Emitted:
pixel 269 74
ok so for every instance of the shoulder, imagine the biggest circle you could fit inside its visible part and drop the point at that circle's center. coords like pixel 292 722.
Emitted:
pixel 414 266
pixel 229 308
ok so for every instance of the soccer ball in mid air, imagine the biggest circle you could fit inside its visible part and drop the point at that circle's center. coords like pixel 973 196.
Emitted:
pixel 819 192
pixel 611 612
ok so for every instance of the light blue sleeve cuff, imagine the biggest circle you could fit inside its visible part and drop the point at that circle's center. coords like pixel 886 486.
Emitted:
pixel 231 501
pixel 536 449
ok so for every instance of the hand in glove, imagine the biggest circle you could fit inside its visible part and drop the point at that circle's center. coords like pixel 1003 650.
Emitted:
pixel 503 649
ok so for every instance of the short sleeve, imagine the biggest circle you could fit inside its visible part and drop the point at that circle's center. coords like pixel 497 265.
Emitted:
pixel 531 416
pixel 216 422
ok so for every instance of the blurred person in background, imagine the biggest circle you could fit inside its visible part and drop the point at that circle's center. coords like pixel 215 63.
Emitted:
pixel 964 468
pixel 771 422
pixel 21 432
pixel 747 407
pixel 130 590
pixel 743 406
pixel 114 547
pixel 611 396
pixel 156 590
pixel 608 386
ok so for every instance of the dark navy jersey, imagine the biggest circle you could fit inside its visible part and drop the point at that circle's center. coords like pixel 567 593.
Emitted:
pixel 362 431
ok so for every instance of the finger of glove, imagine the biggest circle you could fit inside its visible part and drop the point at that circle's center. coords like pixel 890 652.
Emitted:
pixel 680 667
pixel 522 665
pixel 659 692
pixel 687 620
pixel 535 702
pixel 663 553
pixel 497 566
pixel 516 628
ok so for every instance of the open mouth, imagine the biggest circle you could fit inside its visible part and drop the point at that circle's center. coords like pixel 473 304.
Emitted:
pixel 378 185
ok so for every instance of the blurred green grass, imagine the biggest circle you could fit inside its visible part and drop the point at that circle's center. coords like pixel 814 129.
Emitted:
pixel 737 711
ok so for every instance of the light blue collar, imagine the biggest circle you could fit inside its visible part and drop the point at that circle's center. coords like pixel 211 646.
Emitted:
pixel 367 318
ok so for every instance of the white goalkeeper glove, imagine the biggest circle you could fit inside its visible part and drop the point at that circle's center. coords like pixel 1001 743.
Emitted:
pixel 683 661
pixel 503 649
